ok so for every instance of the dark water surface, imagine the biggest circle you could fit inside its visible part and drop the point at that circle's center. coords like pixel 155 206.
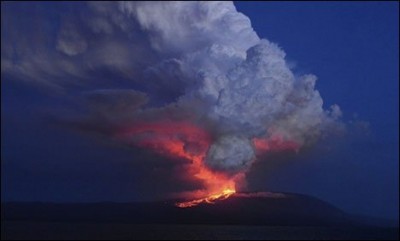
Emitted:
pixel 65 230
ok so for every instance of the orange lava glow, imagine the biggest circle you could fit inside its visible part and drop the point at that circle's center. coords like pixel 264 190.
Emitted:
pixel 187 141
pixel 226 193
pixel 172 138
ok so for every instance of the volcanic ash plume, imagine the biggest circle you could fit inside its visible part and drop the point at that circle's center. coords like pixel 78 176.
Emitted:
pixel 238 85
pixel 209 91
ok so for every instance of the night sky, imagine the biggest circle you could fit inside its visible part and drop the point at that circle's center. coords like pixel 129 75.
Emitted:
pixel 53 150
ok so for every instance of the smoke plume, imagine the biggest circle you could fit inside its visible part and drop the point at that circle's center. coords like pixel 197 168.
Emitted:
pixel 190 80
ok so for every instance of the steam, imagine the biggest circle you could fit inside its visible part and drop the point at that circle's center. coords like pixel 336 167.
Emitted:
pixel 244 84
pixel 196 62
pixel 230 153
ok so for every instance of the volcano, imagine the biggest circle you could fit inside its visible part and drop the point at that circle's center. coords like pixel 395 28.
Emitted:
pixel 235 216
pixel 274 209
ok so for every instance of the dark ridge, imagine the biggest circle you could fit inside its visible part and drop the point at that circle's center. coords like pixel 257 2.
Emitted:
pixel 290 210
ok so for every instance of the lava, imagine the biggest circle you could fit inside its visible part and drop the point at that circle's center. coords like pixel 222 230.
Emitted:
pixel 190 142
pixel 187 141
pixel 226 193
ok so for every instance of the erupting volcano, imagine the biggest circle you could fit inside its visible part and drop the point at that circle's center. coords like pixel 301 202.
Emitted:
pixel 206 91
pixel 177 119
pixel 191 143
pixel 163 139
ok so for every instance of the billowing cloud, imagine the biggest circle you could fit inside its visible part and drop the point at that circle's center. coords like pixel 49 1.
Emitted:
pixel 192 25
pixel 199 84
pixel 230 153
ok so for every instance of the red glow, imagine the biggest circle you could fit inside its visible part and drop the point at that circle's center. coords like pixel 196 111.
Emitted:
pixel 190 142
pixel 184 140
pixel 274 144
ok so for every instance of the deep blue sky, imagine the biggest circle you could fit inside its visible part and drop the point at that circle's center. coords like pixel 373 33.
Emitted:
pixel 352 48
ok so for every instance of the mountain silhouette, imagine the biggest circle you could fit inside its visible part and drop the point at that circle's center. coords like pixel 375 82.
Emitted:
pixel 239 209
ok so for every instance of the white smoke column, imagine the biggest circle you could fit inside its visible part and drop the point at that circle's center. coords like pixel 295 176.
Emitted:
pixel 245 83
pixel 235 85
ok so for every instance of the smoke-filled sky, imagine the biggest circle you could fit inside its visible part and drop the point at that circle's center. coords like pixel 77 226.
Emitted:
pixel 107 101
